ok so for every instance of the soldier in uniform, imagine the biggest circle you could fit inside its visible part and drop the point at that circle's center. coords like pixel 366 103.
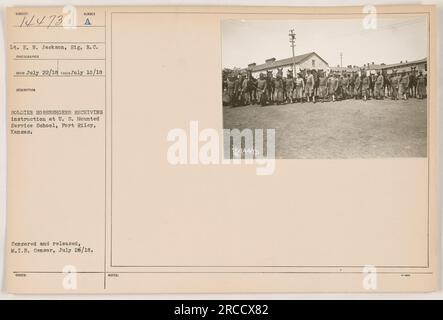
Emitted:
pixel 332 85
pixel 322 88
pixel 279 88
pixel 339 91
pixel 309 88
pixel 262 89
pixel 270 86
pixel 421 85
pixel 289 86
pixel 299 88
pixel 412 84
pixel 379 87
pixel 226 98
pixel 404 86
pixel 345 86
pixel 351 84
pixel 252 88
pixel 372 79
pixel 365 87
pixel 244 90
pixel 315 73
pixel 231 88
pixel 387 84
pixel 357 87
pixel 394 85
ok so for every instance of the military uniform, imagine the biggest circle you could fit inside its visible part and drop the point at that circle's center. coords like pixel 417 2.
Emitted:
pixel 278 90
pixel 252 89
pixel 289 87
pixel 345 87
pixel 309 88
pixel 351 85
pixel 412 87
pixel 394 86
pixel 379 87
pixel 404 86
pixel 332 84
pixel 365 87
pixel 261 90
pixel 357 87
pixel 270 86
pixel 244 91
pixel 299 88
pixel 421 86
pixel 372 81
pixel 232 87
pixel 322 89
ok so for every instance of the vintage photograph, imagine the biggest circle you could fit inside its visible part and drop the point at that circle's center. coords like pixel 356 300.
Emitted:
pixel 331 88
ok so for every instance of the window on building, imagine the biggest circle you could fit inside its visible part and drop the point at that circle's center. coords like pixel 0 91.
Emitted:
pixel 313 62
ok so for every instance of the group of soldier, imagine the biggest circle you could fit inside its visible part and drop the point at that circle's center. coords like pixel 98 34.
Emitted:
pixel 240 89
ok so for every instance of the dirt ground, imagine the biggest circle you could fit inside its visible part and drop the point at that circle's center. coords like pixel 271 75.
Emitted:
pixel 342 129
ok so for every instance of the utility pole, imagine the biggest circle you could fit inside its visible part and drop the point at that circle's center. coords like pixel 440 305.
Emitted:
pixel 341 59
pixel 292 42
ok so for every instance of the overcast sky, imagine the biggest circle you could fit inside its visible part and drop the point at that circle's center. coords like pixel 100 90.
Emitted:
pixel 394 39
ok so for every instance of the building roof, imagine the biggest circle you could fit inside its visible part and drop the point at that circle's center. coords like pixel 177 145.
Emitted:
pixel 374 66
pixel 404 64
pixel 283 62
pixel 394 65
pixel 273 64
pixel 344 69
